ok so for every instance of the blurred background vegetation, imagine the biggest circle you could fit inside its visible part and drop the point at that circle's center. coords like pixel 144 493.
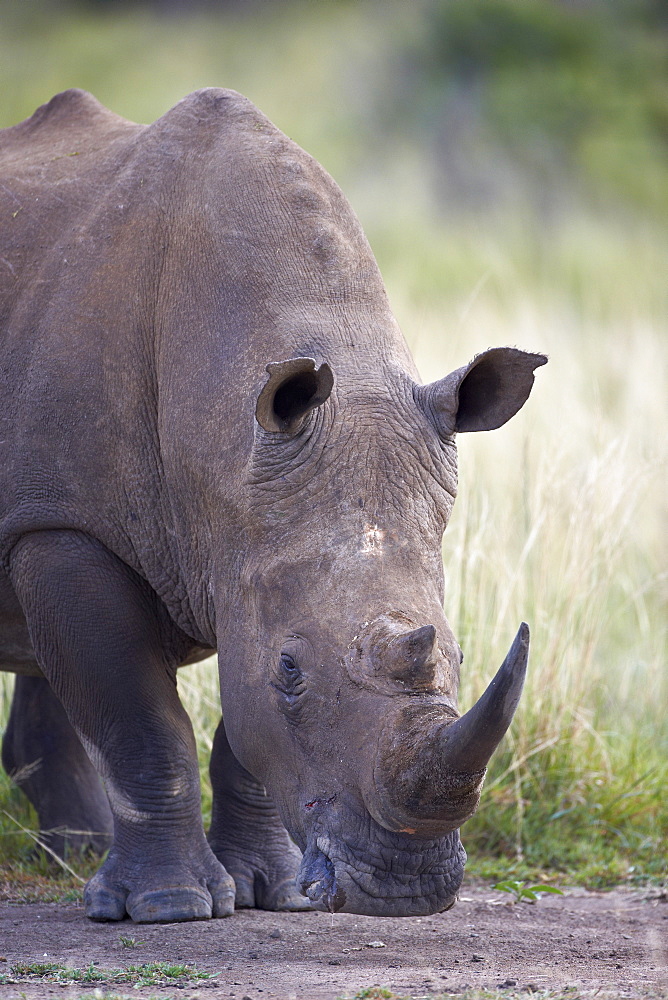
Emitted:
pixel 509 162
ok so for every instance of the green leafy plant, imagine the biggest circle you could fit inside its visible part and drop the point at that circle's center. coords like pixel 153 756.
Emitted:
pixel 375 993
pixel 525 893
pixel 129 942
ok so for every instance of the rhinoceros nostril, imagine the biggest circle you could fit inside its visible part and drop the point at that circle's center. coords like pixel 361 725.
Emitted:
pixel 317 879
pixel 316 869
pixel 326 892
pixel 316 890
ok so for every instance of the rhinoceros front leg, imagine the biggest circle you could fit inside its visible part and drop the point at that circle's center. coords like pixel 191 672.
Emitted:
pixel 247 835
pixel 44 756
pixel 103 640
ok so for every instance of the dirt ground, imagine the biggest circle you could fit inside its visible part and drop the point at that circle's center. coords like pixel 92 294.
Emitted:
pixel 612 944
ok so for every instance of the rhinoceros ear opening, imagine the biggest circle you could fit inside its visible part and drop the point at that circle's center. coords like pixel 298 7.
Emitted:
pixel 485 393
pixel 293 388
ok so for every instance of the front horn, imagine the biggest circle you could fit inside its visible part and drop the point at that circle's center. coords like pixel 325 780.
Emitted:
pixel 429 773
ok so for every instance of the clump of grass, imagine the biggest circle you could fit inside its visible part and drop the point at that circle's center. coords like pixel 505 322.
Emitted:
pixel 375 993
pixel 522 892
pixel 129 942
pixel 148 974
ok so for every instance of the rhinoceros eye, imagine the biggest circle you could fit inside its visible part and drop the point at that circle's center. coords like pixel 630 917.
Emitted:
pixel 289 666
pixel 288 682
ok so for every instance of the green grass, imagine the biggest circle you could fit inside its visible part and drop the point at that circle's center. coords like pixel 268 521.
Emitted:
pixel 561 515
pixel 148 974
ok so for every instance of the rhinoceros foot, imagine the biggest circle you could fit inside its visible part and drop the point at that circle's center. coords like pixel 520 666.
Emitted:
pixel 248 837
pixel 182 894
pixel 261 859
pixel 178 903
pixel 264 874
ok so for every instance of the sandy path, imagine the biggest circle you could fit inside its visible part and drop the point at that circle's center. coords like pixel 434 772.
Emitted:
pixel 615 943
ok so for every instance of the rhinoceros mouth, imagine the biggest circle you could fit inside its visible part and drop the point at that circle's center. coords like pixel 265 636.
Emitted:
pixel 394 875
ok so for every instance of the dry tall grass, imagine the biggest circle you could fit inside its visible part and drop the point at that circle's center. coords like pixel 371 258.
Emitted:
pixel 561 522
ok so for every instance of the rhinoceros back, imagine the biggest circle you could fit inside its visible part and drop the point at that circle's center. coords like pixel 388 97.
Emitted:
pixel 149 274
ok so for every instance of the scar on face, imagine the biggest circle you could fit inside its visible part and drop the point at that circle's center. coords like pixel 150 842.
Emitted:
pixel 372 539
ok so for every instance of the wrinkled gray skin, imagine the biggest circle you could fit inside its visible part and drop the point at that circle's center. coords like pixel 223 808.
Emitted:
pixel 213 437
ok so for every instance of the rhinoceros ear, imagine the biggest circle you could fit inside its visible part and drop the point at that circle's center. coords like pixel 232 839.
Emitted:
pixel 484 394
pixel 293 388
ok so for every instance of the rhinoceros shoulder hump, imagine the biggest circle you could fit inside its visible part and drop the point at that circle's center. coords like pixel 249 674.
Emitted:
pixel 71 110
pixel 214 110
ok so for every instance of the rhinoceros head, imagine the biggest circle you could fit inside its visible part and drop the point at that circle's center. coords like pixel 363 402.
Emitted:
pixel 350 667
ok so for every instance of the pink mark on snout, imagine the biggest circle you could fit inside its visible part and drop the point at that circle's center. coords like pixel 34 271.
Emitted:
pixel 319 802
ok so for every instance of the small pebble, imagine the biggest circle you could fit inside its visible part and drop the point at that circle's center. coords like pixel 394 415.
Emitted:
pixel 375 944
